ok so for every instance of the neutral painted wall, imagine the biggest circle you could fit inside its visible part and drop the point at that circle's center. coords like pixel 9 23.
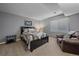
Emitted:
pixel 73 22
pixel 10 24
pixel 47 22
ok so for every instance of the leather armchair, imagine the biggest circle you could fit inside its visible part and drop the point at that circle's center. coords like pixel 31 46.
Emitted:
pixel 69 44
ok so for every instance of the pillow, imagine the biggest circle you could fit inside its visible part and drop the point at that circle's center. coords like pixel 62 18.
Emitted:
pixel 25 30
pixel 76 33
pixel 66 36
pixel 31 30
pixel 71 32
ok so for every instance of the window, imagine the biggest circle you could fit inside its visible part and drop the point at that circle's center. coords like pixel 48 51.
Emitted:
pixel 61 25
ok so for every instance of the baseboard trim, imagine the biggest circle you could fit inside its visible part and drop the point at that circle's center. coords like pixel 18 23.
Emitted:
pixel 5 42
pixel 2 42
pixel 17 39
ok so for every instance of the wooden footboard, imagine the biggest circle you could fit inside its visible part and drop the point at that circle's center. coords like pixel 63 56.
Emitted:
pixel 37 43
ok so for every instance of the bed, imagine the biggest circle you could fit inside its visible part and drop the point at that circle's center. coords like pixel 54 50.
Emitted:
pixel 33 39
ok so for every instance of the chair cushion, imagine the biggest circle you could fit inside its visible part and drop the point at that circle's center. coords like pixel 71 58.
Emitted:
pixel 76 41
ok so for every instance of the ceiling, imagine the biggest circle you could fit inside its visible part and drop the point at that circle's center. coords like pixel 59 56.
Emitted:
pixel 39 11
pixel 69 8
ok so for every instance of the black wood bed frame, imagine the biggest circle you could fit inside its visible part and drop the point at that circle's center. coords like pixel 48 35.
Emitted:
pixel 35 43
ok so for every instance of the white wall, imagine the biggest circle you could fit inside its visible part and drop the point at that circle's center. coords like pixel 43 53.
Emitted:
pixel 10 24
pixel 74 22
pixel 47 22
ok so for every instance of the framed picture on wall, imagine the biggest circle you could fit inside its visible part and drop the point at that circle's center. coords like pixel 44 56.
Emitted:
pixel 28 23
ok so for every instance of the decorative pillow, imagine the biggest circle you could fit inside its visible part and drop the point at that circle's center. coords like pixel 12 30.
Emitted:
pixel 71 32
pixel 25 30
pixel 68 35
pixel 76 33
pixel 31 30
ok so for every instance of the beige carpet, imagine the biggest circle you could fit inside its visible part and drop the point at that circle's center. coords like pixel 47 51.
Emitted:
pixel 17 49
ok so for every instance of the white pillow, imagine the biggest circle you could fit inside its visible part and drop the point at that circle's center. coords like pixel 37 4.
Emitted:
pixel 31 30
pixel 68 34
pixel 25 30
pixel 76 33
pixel 71 32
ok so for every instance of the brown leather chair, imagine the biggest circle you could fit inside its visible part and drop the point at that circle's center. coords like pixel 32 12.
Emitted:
pixel 70 44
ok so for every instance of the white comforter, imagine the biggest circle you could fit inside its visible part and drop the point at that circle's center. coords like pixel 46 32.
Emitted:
pixel 33 36
pixel 39 34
